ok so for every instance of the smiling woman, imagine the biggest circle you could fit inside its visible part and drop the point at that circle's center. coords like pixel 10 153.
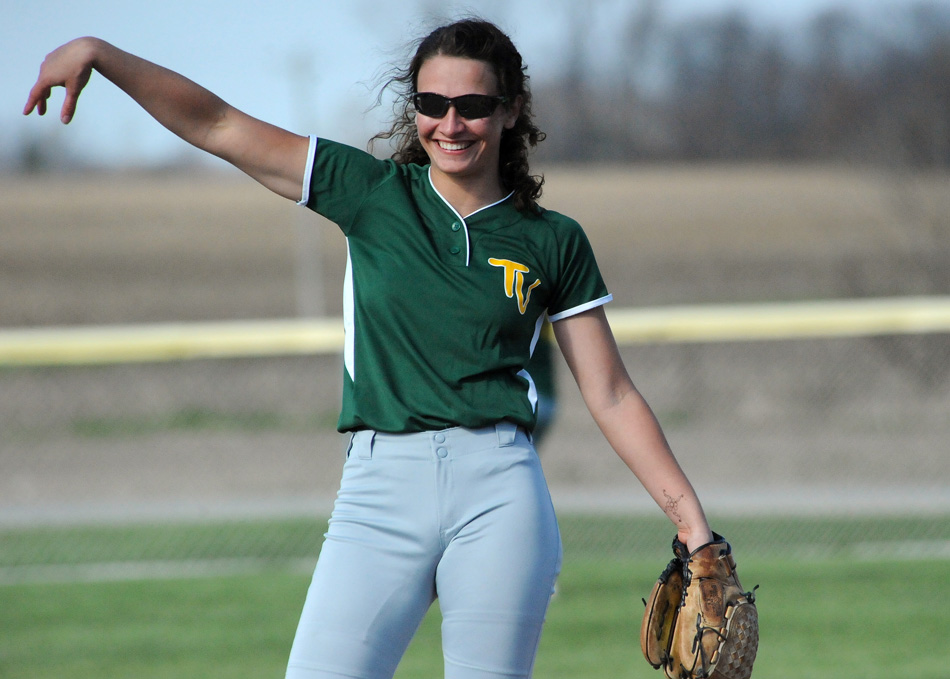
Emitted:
pixel 464 151
pixel 495 67
pixel 452 268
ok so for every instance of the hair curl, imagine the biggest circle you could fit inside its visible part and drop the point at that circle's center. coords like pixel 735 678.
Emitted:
pixel 472 39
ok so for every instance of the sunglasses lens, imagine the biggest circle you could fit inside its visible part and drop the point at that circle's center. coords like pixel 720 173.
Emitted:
pixel 469 106
pixel 430 104
pixel 475 105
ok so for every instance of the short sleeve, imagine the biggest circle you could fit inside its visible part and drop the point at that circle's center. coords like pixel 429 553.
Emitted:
pixel 341 177
pixel 580 285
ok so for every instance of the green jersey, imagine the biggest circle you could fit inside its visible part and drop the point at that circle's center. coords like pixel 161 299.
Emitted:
pixel 442 312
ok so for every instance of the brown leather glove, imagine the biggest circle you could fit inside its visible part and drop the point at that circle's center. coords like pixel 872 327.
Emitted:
pixel 698 622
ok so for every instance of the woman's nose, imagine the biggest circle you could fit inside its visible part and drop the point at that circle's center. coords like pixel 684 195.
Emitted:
pixel 452 121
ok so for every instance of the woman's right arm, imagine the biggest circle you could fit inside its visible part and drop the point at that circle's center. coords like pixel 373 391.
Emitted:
pixel 271 155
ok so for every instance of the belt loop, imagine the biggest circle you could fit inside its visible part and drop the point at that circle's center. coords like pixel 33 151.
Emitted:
pixel 366 450
pixel 507 432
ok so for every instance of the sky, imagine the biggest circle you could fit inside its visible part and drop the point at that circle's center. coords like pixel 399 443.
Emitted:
pixel 308 65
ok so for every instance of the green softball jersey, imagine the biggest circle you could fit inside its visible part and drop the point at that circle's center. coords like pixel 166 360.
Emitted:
pixel 442 312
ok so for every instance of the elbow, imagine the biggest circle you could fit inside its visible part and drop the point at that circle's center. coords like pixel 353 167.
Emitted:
pixel 212 136
pixel 612 397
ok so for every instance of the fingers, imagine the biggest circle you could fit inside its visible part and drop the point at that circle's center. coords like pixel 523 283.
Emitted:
pixel 73 87
pixel 37 100
pixel 69 66
pixel 69 106
pixel 40 94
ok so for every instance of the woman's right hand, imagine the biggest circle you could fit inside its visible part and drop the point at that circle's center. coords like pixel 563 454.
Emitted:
pixel 68 66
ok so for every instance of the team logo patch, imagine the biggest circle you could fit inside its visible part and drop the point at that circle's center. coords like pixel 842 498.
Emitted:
pixel 515 282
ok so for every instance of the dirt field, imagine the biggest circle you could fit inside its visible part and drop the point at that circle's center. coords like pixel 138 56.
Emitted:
pixel 840 423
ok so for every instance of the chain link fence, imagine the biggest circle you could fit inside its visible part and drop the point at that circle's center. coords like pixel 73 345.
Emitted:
pixel 234 463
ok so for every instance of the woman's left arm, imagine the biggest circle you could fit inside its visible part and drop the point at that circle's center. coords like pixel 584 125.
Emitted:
pixel 627 421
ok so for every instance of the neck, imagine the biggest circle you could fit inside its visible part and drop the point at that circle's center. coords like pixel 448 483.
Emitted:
pixel 467 196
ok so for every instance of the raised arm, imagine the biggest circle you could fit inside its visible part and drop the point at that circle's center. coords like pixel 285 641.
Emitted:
pixel 628 422
pixel 273 156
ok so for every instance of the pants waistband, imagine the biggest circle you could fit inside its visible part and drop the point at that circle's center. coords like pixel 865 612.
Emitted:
pixel 445 442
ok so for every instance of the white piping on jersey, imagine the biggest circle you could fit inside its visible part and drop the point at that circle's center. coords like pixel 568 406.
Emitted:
pixel 468 244
pixel 532 387
pixel 349 318
pixel 567 313
pixel 532 390
pixel 308 171
pixel 537 334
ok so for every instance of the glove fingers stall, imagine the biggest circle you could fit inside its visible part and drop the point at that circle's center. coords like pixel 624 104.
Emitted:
pixel 656 630
pixel 716 632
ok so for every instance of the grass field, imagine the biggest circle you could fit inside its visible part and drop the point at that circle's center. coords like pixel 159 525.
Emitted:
pixel 846 610
pixel 819 619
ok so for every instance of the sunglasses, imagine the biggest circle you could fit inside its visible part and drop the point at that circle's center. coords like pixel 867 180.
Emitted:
pixel 468 106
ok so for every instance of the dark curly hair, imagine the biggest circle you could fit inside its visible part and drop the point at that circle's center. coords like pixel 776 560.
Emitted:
pixel 472 39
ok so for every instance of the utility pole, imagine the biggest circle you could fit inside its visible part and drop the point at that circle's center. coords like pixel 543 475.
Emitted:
pixel 308 233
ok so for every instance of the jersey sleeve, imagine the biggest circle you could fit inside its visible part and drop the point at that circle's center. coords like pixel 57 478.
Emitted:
pixel 580 285
pixel 338 178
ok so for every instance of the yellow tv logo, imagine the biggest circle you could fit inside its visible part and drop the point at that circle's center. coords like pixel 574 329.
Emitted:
pixel 514 281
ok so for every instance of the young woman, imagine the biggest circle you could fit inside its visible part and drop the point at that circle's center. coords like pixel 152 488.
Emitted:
pixel 452 267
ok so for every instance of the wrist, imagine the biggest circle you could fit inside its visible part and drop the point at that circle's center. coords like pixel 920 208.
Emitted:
pixel 695 538
pixel 94 50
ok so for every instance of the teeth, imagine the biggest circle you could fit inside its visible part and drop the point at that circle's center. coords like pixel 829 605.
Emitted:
pixel 448 146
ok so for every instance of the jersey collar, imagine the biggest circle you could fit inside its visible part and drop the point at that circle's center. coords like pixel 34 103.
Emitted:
pixel 468 242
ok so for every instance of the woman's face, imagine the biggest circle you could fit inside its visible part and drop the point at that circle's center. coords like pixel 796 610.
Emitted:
pixel 463 150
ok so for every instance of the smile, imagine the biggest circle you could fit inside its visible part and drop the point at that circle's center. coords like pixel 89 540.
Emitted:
pixel 454 146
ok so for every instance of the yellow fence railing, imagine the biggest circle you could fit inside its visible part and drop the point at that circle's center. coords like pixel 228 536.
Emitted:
pixel 87 345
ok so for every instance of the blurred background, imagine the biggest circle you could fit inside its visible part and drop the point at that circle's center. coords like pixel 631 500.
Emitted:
pixel 616 80
pixel 716 152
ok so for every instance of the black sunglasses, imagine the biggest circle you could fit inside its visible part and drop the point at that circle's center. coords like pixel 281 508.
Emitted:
pixel 469 106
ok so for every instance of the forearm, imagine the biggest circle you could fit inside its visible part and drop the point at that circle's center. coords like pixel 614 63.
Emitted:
pixel 273 156
pixel 627 421
pixel 632 430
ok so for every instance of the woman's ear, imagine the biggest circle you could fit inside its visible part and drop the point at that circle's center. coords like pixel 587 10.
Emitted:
pixel 513 112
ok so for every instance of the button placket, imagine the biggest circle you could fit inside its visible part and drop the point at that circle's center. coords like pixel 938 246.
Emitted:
pixel 441 451
pixel 455 243
pixel 457 228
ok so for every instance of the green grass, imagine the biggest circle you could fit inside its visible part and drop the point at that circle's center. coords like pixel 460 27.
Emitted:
pixel 219 627
pixel 823 616
pixel 818 620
